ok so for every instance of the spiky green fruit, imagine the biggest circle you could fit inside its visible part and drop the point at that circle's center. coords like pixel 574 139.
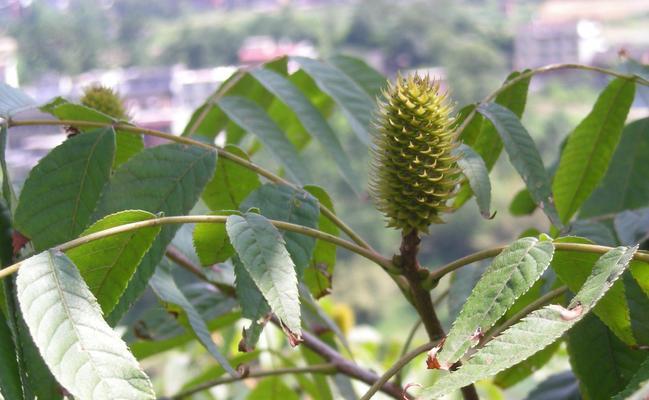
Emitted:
pixel 106 100
pixel 414 170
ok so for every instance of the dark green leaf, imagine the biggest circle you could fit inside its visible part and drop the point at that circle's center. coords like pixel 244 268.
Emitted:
pixel 62 190
pixel 166 179
pixel 365 76
pixel 231 183
pixel 590 146
pixel 310 118
pixel 511 274
pixel 355 103
pixel 523 155
pixel 108 264
pixel 561 386
pixel 264 256
pixel 7 189
pixel 254 119
pixel 283 203
pixel 638 388
pixel 74 339
pixel 632 226
pixel 165 287
pixel 522 203
pixel 537 330
pixel 10 384
pixel 475 171
pixel 602 362
pixel 638 302
pixel 127 144
pixel 597 232
pixel 13 100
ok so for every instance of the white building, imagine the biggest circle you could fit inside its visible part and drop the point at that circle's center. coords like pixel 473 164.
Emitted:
pixel 8 61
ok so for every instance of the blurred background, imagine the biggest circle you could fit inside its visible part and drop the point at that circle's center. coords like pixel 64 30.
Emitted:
pixel 166 57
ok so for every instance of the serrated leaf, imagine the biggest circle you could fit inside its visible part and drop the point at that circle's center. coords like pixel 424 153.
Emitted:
pixel 523 155
pixel 85 355
pixel 62 190
pixel 211 243
pixel 253 304
pixel 482 136
pixel 284 203
pixel 309 116
pixel 638 387
pixel 231 183
pixel 626 183
pixel 590 146
pixel 511 274
pixel 272 389
pixel 573 268
pixel 475 171
pixel 254 119
pixel 109 263
pixel 536 331
pixel 165 179
pixel 521 371
pixel 263 253
pixel 319 274
pixel 164 285
pixel 357 105
pixel 463 281
pixel 13 101
pixel 602 362
pixel 10 384
pixel 561 386
pixel 126 144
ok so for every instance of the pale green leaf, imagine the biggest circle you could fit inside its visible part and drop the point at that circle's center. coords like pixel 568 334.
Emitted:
pixel 263 253
pixel 475 171
pixel 602 362
pixel 166 289
pixel 127 143
pixel 511 274
pixel 537 330
pixel 638 388
pixel 211 243
pixel 355 103
pixel 13 101
pixel 109 263
pixel 284 203
pixel 523 155
pixel 524 369
pixel 522 203
pixel 272 389
pixel 254 119
pixel 365 76
pixel 309 116
pixel 231 183
pixel 166 179
pixel 590 146
pixel 85 355
pixel 62 190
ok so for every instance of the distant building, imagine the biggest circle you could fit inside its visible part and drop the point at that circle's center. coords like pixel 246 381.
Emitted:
pixel 8 61
pixel 259 49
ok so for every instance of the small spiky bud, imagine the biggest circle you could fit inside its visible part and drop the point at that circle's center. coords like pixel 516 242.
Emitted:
pixel 106 100
pixel 414 172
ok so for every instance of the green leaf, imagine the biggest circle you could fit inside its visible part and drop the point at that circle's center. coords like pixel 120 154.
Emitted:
pixel 253 306
pixel 310 118
pixel 212 243
pixel 598 232
pixel 626 184
pixel 365 76
pixel 164 285
pixel 482 136
pixel 523 155
pixel 638 304
pixel 475 171
pixel 602 362
pixel 522 203
pixel 85 355
pixel 272 389
pixel 108 264
pixel 463 281
pixel 231 183
pixel 590 146
pixel 254 119
pixel 638 388
pixel 13 101
pixel 573 268
pixel 357 105
pixel 7 189
pixel 127 144
pixel 6 249
pixel 561 386
pixel 263 253
pixel 10 384
pixel 166 179
pixel 536 331
pixel 521 371
pixel 319 274
pixel 632 226
pixel 216 371
pixel 284 203
pixel 70 178
pixel 511 274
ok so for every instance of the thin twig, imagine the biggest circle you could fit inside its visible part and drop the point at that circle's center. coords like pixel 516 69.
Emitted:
pixel 310 369
pixel 220 219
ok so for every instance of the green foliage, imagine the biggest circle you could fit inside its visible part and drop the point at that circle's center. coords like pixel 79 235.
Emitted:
pixel 476 173
pixel 10 384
